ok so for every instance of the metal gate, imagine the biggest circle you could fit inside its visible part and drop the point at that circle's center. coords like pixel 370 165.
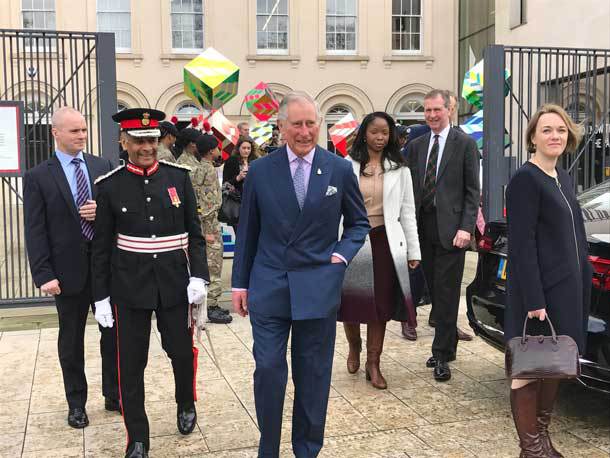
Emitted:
pixel 47 70
pixel 576 79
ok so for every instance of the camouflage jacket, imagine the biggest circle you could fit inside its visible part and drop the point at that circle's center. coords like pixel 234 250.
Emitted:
pixel 210 199
pixel 164 154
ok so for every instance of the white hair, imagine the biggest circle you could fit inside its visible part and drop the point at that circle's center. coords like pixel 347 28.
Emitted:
pixel 297 96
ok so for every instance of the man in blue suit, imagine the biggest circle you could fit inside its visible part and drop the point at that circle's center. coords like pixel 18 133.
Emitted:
pixel 288 270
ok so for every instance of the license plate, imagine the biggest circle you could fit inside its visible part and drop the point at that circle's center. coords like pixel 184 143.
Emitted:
pixel 501 274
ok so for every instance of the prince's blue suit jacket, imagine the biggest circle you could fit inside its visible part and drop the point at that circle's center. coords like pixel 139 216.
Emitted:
pixel 282 253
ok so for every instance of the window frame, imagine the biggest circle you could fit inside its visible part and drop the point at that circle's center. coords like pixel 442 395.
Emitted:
pixel 194 50
pixel 342 52
pixel 44 11
pixel 118 49
pixel 407 52
pixel 272 51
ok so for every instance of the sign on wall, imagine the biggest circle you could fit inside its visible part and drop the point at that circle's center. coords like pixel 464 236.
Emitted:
pixel 12 139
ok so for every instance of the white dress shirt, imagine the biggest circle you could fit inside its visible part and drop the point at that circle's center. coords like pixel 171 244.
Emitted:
pixel 442 139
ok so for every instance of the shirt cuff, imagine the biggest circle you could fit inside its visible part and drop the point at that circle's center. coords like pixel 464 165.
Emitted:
pixel 340 257
pixel 239 289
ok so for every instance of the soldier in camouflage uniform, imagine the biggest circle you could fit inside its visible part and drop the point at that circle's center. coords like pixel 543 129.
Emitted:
pixel 210 201
pixel 166 141
pixel 207 194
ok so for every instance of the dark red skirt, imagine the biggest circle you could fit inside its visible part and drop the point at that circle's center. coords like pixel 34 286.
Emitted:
pixel 385 301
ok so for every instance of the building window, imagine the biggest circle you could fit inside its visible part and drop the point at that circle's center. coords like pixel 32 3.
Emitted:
pixel 272 26
pixel 406 25
pixel 517 13
pixel 410 110
pixel 38 14
pixel 115 16
pixel 341 17
pixel 187 24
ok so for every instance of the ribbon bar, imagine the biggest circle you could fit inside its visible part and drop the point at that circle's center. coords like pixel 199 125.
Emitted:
pixel 153 244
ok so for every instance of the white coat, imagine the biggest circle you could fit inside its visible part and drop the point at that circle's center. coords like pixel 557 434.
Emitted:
pixel 399 218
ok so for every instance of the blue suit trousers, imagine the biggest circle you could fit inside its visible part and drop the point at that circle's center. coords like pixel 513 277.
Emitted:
pixel 312 348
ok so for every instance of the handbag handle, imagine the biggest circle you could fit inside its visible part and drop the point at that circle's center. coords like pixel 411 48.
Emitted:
pixel 524 336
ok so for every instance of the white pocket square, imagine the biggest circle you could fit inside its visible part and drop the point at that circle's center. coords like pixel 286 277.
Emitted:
pixel 330 191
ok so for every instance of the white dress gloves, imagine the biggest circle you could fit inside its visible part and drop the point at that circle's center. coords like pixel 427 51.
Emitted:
pixel 103 313
pixel 196 290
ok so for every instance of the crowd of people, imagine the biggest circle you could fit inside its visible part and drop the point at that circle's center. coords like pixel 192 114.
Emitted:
pixel 320 239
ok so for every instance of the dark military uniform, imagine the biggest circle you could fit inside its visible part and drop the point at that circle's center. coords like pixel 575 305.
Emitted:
pixel 146 205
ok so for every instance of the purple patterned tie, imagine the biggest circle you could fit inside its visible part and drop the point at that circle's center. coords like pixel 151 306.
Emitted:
pixel 299 182
pixel 82 194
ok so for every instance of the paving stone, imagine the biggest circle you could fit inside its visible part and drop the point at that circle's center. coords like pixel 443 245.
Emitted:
pixel 415 417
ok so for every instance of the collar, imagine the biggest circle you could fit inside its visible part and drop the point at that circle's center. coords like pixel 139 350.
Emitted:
pixel 140 171
pixel 65 158
pixel 442 134
pixel 293 157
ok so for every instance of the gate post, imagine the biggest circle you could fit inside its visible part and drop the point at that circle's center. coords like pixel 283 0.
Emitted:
pixel 106 96
pixel 495 164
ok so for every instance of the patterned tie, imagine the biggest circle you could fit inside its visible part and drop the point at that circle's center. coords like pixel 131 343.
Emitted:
pixel 299 182
pixel 82 194
pixel 427 201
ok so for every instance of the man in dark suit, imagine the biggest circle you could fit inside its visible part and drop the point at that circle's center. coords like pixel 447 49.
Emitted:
pixel 288 270
pixel 445 169
pixel 59 210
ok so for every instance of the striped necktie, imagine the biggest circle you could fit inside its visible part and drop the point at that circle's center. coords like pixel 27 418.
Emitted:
pixel 82 195
pixel 429 190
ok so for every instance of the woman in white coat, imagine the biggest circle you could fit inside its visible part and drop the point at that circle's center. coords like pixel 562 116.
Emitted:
pixel 376 287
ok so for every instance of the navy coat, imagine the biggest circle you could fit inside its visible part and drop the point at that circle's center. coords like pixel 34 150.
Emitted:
pixel 282 254
pixel 548 264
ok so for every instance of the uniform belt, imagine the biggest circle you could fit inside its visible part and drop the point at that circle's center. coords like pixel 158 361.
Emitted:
pixel 153 244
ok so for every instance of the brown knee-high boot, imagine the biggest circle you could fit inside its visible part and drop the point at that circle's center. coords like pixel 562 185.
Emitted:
pixel 523 403
pixel 375 333
pixel 352 333
pixel 547 393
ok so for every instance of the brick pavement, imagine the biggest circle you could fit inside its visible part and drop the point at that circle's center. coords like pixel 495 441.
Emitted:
pixel 416 417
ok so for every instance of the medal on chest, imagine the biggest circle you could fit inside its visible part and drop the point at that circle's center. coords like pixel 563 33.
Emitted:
pixel 173 195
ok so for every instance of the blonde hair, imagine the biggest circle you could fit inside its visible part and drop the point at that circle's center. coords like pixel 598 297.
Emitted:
pixel 575 131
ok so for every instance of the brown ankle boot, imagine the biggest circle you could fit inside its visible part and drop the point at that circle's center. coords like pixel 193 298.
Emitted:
pixel 352 333
pixel 374 346
pixel 523 402
pixel 547 393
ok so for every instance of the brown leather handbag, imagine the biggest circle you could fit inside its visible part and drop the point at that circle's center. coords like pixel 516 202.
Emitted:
pixel 533 357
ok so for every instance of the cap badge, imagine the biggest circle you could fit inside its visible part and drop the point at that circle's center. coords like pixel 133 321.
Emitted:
pixel 145 119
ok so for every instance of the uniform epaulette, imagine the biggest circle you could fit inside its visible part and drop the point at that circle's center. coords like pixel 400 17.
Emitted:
pixel 180 166
pixel 112 172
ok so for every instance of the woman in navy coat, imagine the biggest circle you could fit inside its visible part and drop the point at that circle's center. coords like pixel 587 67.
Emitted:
pixel 549 272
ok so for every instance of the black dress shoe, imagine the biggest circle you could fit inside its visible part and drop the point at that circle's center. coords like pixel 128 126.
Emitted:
pixel 136 450
pixel 77 417
pixel 442 373
pixel 112 405
pixel 432 361
pixel 217 315
pixel 187 418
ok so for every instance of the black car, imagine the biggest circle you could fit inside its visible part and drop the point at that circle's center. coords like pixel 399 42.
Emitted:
pixel 486 295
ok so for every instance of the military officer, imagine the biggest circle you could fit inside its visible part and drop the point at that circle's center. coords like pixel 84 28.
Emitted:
pixel 210 200
pixel 207 190
pixel 148 255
